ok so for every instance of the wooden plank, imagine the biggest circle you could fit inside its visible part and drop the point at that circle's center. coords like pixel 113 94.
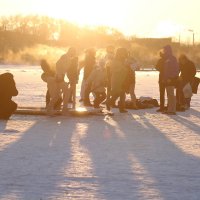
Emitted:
pixel 79 112
pixel 31 108
pixel 30 112
pixel 82 111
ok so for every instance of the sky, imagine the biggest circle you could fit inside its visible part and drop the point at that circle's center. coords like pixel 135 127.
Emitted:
pixel 141 18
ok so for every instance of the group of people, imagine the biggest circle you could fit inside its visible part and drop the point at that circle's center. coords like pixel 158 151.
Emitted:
pixel 112 77
pixel 108 79
pixel 175 74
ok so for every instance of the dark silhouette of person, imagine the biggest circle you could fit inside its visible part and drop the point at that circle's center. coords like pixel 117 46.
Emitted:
pixel 72 75
pixel 171 72
pixel 160 67
pixel 7 91
pixel 89 63
pixel 119 75
pixel 187 74
pixel 97 82
pixel 110 53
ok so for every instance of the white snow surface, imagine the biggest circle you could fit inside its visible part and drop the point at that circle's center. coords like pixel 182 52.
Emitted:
pixel 135 156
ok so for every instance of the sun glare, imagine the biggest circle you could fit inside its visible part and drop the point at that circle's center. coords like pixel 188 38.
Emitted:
pixel 131 17
pixel 167 29
pixel 87 12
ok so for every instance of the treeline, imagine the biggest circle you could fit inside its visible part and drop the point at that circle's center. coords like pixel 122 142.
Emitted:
pixel 27 39
pixel 17 33
pixel 50 31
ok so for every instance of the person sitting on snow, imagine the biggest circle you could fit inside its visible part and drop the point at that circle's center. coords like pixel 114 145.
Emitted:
pixel 7 91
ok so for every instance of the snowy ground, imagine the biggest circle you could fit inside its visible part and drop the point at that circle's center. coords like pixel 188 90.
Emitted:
pixel 134 156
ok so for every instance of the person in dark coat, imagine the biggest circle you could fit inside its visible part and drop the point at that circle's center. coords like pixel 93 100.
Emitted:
pixel 7 91
pixel 119 74
pixel 187 74
pixel 110 53
pixel 130 81
pixel 170 77
pixel 89 64
pixel 72 75
pixel 160 67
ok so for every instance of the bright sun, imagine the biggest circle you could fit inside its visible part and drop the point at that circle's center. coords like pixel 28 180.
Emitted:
pixel 87 12
pixel 167 29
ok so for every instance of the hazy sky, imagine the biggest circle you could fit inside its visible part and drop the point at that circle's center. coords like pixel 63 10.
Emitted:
pixel 145 18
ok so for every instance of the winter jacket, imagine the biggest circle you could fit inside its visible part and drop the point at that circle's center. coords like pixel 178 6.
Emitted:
pixel 7 87
pixel 72 72
pixel 97 79
pixel 160 67
pixel 188 71
pixel 119 73
pixel 62 66
pixel 89 64
pixel 171 68
pixel 130 78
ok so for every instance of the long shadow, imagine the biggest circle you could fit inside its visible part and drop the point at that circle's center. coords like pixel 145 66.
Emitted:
pixel 123 158
pixel 33 166
pixel 3 125
pixel 112 168
pixel 176 173
pixel 187 123
pixel 195 112
pixel 132 159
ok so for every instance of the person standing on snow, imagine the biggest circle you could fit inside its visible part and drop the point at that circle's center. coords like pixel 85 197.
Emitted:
pixel 89 64
pixel 188 72
pixel 118 76
pixel 60 86
pixel 131 80
pixel 110 53
pixel 160 67
pixel 171 72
